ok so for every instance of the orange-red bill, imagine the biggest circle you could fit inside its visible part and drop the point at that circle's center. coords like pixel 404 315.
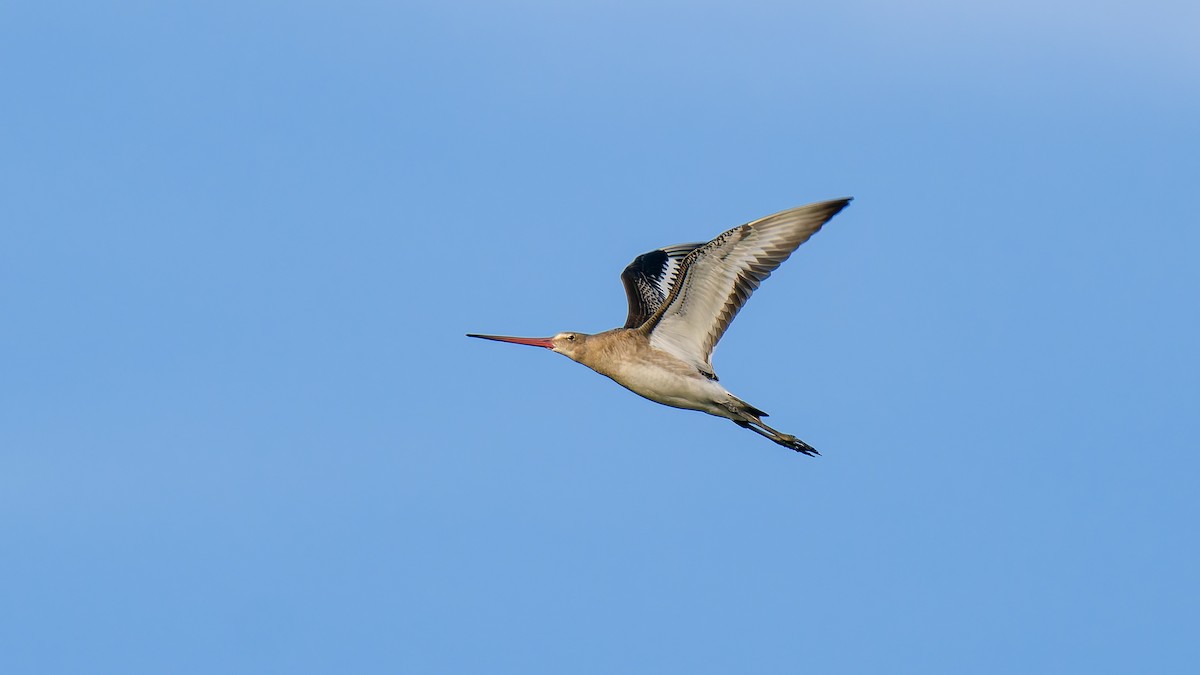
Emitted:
pixel 548 343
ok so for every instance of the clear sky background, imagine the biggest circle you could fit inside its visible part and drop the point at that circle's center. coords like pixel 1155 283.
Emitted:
pixel 241 430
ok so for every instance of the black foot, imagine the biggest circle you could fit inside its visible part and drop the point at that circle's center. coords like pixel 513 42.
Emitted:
pixel 789 441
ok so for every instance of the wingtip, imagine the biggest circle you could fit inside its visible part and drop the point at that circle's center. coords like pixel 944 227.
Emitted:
pixel 836 205
pixel 830 206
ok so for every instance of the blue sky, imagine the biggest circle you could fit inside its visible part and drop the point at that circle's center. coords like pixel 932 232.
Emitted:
pixel 241 430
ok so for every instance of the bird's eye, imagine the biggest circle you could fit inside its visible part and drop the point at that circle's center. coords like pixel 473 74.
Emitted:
pixel 571 337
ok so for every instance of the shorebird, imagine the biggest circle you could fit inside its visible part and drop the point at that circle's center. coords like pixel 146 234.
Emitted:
pixel 682 298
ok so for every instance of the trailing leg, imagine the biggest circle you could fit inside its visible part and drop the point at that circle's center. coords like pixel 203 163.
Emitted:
pixel 756 425
pixel 748 417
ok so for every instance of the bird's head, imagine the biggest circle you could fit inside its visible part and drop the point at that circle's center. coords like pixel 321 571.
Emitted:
pixel 570 344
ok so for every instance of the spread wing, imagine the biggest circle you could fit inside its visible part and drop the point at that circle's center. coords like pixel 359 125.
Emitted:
pixel 716 279
pixel 648 280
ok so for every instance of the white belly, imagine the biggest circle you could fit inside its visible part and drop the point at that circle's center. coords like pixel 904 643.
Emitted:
pixel 674 386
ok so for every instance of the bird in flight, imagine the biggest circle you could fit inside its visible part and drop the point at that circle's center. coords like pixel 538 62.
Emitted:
pixel 682 298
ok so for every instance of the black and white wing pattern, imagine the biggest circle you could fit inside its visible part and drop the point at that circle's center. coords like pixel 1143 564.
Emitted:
pixel 716 279
pixel 648 280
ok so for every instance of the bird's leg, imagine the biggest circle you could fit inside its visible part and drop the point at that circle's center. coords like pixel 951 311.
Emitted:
pixel 786 440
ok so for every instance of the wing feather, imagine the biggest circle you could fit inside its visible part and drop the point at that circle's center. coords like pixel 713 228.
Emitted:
pixel 716 280
pixel 648 280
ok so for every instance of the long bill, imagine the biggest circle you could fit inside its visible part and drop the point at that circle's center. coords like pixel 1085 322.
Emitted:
pixel 546 342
